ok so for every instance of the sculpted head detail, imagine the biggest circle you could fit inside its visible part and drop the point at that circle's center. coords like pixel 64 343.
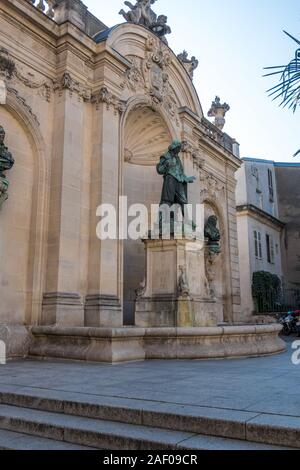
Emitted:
pixel 175 146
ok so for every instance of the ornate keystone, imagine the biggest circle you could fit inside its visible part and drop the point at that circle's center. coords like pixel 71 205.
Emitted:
pixel 218 111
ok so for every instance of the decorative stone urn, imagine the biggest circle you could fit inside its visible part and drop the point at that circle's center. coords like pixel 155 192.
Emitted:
pixel 218 111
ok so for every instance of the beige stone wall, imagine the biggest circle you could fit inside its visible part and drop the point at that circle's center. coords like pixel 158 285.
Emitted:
pixel 83 144
pixel 15 225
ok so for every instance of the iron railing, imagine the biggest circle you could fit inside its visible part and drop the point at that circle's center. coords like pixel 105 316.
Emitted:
pixel 271 302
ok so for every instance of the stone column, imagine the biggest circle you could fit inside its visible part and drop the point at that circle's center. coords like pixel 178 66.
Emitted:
pixel 62 303
pixel 103 302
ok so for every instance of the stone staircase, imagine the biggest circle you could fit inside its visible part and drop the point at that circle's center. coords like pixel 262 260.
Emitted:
pixel 38 419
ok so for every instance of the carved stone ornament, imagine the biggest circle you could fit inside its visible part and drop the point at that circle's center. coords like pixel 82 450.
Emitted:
pixel 211 273
pixel 194 152
pixel 183 287
pixel 211 187
pixel 189 64
pixel 105 96
pixel 218 111
pixel 142 14
pixel 12 73
pixel 23 103
pixel 140 291
pixel 66 82
pixel 150 75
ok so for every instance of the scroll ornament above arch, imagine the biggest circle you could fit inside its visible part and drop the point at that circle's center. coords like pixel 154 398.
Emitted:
pixel 150 76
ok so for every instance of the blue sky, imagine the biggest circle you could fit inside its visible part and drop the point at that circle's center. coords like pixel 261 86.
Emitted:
pixel 234 40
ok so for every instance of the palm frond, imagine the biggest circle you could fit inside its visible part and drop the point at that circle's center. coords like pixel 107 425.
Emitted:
pixel 292 37
pixel 288 88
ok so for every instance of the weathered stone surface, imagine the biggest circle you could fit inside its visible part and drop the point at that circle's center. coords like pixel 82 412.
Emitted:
pixel 17 340
pixel 129 344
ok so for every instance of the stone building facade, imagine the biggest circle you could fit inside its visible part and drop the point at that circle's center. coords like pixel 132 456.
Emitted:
pixel 267 206
pixel 88 110
pixel 287 179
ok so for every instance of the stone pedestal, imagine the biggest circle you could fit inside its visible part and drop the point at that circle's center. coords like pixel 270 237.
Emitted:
pixel 175 294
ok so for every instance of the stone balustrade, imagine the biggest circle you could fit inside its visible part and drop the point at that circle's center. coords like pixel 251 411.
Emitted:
pixel 46 6
pixel 217 135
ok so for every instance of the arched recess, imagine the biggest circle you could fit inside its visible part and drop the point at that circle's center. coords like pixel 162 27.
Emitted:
pixel 145 137
pixel 23 218
pixel 220 261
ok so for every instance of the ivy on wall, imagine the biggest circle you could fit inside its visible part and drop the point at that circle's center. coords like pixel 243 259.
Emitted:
pixel 266 291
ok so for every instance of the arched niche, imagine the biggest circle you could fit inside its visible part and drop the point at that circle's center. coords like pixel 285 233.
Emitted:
pixel 23 218
pixel 146 137
pixel 215 265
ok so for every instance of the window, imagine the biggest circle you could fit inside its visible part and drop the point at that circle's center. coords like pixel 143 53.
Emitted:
pixel 270 249
pixel 271 186
pixel 257 244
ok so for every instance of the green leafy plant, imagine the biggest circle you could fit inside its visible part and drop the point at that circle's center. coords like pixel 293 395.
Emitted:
pixel 266 291
pixel 288 88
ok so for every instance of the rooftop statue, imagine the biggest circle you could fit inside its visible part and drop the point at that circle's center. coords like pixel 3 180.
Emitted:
pixel 141 13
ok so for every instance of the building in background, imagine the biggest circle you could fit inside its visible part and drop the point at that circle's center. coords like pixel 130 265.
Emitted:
pixel 259 228
pixel 268 209
pixel 288 193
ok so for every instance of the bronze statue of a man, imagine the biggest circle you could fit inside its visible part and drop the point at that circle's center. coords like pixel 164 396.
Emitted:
pixel 175 181
pixel 6 159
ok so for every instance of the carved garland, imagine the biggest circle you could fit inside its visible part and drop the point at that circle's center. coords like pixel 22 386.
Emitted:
pixel 10 73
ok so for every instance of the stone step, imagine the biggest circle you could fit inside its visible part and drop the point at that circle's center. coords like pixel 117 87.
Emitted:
pixel 110 435
pixel 216 422
pixel 10 440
